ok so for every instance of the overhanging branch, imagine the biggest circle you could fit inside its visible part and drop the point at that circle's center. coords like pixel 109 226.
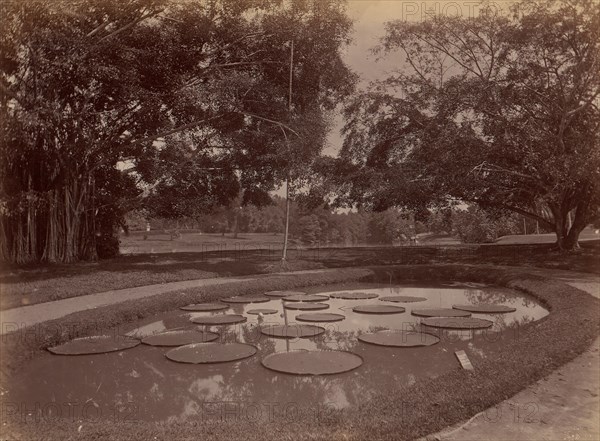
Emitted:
pixel 272 121
pixel 528 214
pixel 175 130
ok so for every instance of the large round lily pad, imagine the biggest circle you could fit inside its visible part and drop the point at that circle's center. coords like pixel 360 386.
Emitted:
pixel 211 352
pixel 485 309
pixel 262 311
pixel 292 331
pixel 320 317
pixel 98 344
pixel 223 319
pixel 284 293
pixel 246 299
pixel 457 322
pixel 440 312
pixel 354 295
pixel 179 338
pixel 308 306
pixel 399 339
pixel 205 307
pixel 305 298
pixel 378 309
pixel 312 362
pixel 402 299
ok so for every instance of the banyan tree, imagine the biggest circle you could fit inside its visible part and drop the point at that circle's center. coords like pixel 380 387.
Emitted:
pixel 89 89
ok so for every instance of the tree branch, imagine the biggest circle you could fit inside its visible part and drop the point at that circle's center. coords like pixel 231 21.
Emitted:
pixel 272 121
pixel 175 130
pixel 528 214
pixel 130 24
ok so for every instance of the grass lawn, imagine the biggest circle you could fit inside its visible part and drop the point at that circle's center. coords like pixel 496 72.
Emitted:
pixel 589 234
pixel 160 242
pixel 24 285
pixel 586 235
pixel 20 286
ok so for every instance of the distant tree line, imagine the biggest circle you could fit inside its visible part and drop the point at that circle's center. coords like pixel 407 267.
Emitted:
pixel 324 226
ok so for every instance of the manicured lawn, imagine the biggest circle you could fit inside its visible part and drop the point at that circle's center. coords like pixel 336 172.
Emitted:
pixel 190 242
pixel 38 284
pixel 30 285
pixel 589 234
pixel 586 235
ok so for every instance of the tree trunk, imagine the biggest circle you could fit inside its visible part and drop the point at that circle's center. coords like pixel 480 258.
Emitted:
pixel 287 221
pixel 236 223
pixel 568 229
pixel 560 227
pixel 50 226
pixel 579 222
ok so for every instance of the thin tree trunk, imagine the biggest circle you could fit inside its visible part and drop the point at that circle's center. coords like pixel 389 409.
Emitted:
pixel 66 230
pixel 287 181
pixel 287 220
pixel 236 222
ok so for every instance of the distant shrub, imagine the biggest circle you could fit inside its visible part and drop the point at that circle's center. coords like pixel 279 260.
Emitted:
pixel 107 246
pixel 479 226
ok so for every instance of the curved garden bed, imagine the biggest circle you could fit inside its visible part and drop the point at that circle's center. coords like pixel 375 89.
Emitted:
pixel 513 362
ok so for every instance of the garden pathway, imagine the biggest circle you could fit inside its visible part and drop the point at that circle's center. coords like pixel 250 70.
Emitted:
pixel 18 318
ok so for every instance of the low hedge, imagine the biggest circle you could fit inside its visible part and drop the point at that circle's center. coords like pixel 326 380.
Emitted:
pixel 405 413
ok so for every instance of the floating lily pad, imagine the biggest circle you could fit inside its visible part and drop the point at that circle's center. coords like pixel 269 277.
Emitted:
pixel 246 299
pixel 262 311
pixel 284 293
pixel 402 299
pixel 306 306
pixel 223 319
pixel 98 344
pixel 205 307
pixel 292 331
pixel 354 295
pixel 312 362
pixel 457 322
pixel 485 309
pixel 320 317
pixel 378 309
pixel 179 338
pixel 211 352
pixel 440 312
pixel 305 298
pixel 399 339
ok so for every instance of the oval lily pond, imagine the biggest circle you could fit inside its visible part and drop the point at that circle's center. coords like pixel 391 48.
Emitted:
pixel 144 381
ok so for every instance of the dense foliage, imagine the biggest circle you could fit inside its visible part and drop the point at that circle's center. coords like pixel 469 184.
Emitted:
pixel 495 110
pixel 322 226
pixel 191 96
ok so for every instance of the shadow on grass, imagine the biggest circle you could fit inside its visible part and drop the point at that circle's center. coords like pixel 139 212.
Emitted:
pixel 132 263
pixel 24 285
pixel 246 262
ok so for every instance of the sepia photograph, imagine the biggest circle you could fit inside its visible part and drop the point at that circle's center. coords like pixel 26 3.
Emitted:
pixel 281 220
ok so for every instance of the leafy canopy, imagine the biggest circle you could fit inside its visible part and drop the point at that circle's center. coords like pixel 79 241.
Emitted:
pixel 501 111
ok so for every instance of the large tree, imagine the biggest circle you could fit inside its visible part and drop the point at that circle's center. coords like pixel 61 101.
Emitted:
pixel 300 87
pixel 497 110
pixel 88 84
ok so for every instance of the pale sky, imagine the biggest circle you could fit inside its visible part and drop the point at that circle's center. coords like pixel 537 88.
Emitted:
pixel 369 17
